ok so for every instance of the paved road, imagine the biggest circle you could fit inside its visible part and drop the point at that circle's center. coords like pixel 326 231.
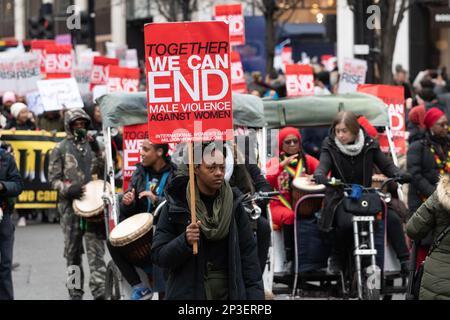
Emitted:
pixel 41 274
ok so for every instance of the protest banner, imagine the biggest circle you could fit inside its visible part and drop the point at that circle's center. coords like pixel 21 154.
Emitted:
pixel 131 59
pixel 82 76
pixel 393 97
pixel 238 83
pixel 329 61
pixel 60 94
pixel 133 136
pixel 189 86
pixel 123 79
pixel 32 151
pixel 58 61
pixel 100 70
pixel 19 73
pixel 353 74
pixel 38 48
pixel 64 39
pixel 7 73
pixel 286 56
pixel 233 15
pixel 34 103
pixel 299 80
pixel 188 81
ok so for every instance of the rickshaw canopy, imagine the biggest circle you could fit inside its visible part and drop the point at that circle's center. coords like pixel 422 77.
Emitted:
pixel 316 111
pixel 123 109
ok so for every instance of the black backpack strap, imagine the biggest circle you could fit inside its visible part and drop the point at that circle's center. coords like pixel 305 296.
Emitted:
pixel 438 239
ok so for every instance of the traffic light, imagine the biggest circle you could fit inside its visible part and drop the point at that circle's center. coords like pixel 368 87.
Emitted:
pixel 82 35
pixel 47 25
pixel 33 28
pixel 43 26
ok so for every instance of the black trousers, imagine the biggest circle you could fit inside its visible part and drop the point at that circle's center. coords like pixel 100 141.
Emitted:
pixel 263 238
pixel 395 234
pixel 6 255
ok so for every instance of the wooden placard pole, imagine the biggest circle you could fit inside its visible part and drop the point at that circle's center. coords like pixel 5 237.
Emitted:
pixel 192 190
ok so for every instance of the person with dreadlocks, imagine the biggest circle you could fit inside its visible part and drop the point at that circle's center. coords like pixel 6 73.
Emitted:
pixel 292 162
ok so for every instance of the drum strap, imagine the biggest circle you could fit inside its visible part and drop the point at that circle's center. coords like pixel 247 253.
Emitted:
pixel 284 202
pixel 295 173
pixel 160 189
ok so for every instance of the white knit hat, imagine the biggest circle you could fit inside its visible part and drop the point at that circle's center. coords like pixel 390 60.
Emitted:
pixel 16 108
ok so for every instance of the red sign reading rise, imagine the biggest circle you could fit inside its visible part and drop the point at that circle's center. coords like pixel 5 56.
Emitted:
pixel 188 81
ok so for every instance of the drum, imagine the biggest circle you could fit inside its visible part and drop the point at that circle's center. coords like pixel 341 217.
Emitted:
pixel 134 237
pixel 91 205
pixel 303 186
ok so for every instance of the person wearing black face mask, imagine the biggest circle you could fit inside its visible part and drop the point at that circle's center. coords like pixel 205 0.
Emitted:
pixel 72 164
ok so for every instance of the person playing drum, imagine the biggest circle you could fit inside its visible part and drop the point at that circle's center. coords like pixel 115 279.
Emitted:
pixel 293 162
pixel 72 164
pixel 145 192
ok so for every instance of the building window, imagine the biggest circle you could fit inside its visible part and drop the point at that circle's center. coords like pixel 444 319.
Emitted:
pixel 6 18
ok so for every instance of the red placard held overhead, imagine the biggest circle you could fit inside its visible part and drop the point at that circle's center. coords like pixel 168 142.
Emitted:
pixel 58 61
pixel 299 80
pixel 232 13
pixel 38 47
pixel 238 83
pixel 100 70
pixel 188 81
pixel 393 97
pixel 123 79
pixel 133 136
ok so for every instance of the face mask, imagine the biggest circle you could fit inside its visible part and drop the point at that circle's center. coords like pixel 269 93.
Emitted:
pixel 80 134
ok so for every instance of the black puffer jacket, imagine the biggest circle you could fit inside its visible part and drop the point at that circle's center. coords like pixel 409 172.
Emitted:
pixel 355 170
pixel 186 271
pixel 424 170
pixel 11 181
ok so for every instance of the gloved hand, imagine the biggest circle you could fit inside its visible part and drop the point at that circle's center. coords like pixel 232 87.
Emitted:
pixel 321 179
pixel 75 191
pixel 404 177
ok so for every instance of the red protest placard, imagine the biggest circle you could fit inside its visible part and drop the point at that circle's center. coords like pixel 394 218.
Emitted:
pixel 133 136
pixel 299 80
pixel 393 97
pixel 238 83
pixel 58 61
pixel 188 81
pixel 100 70
pixel 286 56
pixel 123 79
pixel 232 14
pixel 38 47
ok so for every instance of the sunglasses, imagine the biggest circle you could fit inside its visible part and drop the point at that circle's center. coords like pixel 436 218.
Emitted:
pixel 291 142
pixel 442 124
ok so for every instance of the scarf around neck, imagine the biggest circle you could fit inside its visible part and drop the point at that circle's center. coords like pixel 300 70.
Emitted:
pixel 351 149
pixel 217 226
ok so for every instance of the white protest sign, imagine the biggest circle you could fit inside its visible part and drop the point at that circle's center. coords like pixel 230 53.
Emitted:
pixel 19 73
pixel 353 74
pixel 60 94
pixel 34 103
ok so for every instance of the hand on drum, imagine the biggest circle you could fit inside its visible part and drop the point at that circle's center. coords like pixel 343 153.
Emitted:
pixel 193 233
pixel 288 160
pixel 128 198
pixel 149 194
